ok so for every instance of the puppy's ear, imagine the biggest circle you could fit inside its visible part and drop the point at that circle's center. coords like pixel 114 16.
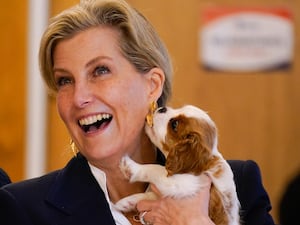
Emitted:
pixel 201 151
pixel 189 155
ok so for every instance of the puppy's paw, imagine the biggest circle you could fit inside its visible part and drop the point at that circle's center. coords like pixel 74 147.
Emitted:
pixel 126 204
pixel 125 169
pixel 129 168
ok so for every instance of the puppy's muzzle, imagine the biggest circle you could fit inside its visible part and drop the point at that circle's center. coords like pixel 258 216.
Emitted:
pixel 162 110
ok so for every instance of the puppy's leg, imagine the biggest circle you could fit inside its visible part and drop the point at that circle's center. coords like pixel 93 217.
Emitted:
pixel 178 185
pixel 138 172
pixel 224 182
pixel 128 203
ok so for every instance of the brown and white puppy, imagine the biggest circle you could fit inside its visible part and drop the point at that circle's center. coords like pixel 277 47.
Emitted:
pixel 188 138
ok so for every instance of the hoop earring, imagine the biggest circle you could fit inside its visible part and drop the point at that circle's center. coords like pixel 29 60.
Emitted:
pixel 149 117
pixel 73 148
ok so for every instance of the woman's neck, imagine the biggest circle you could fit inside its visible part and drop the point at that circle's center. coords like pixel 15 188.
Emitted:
pixel 118 186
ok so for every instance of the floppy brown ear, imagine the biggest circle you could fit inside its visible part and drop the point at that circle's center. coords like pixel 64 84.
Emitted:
pixel 189 155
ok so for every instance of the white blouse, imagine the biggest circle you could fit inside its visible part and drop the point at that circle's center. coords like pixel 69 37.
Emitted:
pixel 100 177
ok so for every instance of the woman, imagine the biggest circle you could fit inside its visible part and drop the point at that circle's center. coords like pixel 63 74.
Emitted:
pixel 108 67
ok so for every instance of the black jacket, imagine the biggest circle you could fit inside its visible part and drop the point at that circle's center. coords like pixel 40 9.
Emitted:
pixel 4 178
pixel 72 196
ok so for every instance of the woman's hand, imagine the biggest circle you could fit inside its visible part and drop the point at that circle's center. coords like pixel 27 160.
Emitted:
pixel 186 211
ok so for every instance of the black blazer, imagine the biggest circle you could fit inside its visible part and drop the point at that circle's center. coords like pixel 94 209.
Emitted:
pixel 72 196
pixel 4 178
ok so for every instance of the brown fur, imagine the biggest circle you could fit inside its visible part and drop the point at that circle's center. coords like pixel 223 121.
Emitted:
pixel 217 212
pixel 190 146
pixel 190 151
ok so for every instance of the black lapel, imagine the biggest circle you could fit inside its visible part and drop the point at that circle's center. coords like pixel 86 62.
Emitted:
pixel 77 195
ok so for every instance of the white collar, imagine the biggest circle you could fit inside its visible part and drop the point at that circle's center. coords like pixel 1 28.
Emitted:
pixel 100 177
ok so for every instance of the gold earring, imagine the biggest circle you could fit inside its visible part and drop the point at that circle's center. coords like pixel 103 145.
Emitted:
pixel 149 117
pixel 73 147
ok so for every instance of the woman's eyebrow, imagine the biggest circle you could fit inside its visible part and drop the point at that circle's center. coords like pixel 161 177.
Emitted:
pixel 59 70
pixel 94 60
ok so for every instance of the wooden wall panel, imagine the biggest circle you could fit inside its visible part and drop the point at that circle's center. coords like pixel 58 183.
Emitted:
pixel 257 113
pixel 13 17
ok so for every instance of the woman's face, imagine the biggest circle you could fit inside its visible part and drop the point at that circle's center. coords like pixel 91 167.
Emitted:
pixel 101 98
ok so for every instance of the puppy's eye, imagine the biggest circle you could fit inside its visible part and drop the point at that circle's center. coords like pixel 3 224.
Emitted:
pixel 174 124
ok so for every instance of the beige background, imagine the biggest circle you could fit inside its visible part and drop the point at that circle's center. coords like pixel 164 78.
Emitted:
pixel 257 113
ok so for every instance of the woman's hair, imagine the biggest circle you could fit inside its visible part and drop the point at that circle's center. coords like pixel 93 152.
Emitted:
pixel 138 41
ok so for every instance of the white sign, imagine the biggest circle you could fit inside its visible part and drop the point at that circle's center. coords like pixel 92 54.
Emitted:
pixel 246 40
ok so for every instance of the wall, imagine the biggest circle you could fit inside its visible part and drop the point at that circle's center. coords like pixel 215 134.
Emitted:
pixel 13 17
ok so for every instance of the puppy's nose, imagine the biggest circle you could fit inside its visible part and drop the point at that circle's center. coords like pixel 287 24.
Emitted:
pixel 162 110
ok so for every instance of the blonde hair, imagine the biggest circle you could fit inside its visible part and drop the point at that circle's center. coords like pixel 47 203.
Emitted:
pixel 139 42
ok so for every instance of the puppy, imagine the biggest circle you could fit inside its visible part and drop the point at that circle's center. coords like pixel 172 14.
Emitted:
pixel 188 138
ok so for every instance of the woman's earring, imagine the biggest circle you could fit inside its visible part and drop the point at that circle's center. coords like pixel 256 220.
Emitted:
pixel 149 117
pixel 73 148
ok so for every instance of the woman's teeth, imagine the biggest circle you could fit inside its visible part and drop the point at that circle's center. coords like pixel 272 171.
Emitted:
pixel 93 123
pixel 93 119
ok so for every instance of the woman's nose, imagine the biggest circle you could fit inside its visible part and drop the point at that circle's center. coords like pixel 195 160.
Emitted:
pixel 82 94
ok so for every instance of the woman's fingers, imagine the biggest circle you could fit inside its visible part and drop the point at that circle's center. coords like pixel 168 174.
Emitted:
pixel 166 210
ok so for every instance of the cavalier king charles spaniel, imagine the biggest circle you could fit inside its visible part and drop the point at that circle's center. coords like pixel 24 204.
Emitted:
pixel 188 139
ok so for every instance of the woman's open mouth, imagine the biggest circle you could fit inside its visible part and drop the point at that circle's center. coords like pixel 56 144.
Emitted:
pixel 95 122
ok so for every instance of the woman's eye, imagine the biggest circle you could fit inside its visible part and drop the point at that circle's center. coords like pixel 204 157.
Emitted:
pixel 63 81
pixel 174 124
pixel 100 70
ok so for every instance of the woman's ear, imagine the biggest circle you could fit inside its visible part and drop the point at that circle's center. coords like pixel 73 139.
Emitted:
pixel 156 78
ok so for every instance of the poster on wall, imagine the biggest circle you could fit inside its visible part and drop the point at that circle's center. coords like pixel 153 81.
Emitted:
pixel 246 39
